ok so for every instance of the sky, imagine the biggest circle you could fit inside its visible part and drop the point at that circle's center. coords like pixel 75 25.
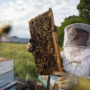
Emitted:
pixel 19 12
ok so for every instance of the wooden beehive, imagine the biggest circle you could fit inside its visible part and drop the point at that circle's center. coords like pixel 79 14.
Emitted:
pixel 6 71
pixel 46 49
pixel 6 65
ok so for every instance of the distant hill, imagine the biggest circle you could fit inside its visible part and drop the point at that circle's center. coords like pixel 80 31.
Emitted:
pixel 15 40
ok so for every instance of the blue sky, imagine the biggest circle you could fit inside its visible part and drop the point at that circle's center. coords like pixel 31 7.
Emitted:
pixel 19 12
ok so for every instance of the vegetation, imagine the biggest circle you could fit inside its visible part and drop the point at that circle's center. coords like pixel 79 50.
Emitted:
pixel 24 65
pixel 84 17
pixel 13 36
pixel 84 10
pixel 67 21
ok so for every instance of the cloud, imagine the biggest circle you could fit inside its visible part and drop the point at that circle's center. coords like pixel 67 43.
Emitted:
pixel 4 3
pixel 20 1
pixel 64 9
pixel 11 3
pixel 19 12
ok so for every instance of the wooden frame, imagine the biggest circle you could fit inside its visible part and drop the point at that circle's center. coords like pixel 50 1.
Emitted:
pixel 55 39
pixel 49 60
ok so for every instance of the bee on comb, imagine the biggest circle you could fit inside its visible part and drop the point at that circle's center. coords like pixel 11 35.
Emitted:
pixel 44 52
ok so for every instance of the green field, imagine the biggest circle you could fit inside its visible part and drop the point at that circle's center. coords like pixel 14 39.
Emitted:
pixel 24 65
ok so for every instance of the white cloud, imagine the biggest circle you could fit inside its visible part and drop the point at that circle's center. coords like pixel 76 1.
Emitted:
pixel 20 1
pixel 4 3
pixel 11 3
pixel 54 1
pixel 20 12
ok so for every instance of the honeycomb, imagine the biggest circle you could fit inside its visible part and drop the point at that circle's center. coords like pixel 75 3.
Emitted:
pixel 44 52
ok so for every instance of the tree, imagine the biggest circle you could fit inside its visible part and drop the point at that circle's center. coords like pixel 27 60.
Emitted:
pixel 13 36
pixel 84 10
pixel 67 21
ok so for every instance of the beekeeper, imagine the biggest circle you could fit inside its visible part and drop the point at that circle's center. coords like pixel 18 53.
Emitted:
pixel 76 58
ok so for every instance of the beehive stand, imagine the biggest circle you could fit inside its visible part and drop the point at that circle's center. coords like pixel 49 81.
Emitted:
pixel 46 48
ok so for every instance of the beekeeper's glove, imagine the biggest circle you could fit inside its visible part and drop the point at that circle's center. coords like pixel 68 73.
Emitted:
pixel 66 81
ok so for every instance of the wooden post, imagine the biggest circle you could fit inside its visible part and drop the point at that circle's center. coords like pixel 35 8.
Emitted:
pixel 56 87
pixel 38 86
pixel 31 85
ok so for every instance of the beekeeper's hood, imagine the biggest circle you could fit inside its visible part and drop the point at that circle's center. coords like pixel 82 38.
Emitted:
pixel 77 42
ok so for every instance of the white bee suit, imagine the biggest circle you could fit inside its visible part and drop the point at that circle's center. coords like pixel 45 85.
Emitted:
pixel 76 59
pixel 81 68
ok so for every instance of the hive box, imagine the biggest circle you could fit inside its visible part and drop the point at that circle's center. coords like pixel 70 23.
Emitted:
pixel 6 65
pixel 6 71
pixel 10 86
pixel 44 80
pixel 6 78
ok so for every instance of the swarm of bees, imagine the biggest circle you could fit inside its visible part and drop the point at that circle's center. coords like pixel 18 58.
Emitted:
pixel 44 53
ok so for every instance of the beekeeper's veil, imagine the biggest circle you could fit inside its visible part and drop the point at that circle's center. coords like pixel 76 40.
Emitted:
pixel 76 42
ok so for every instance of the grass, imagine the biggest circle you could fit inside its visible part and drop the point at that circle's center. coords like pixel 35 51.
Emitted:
pixel 61 49
pixel 24 66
